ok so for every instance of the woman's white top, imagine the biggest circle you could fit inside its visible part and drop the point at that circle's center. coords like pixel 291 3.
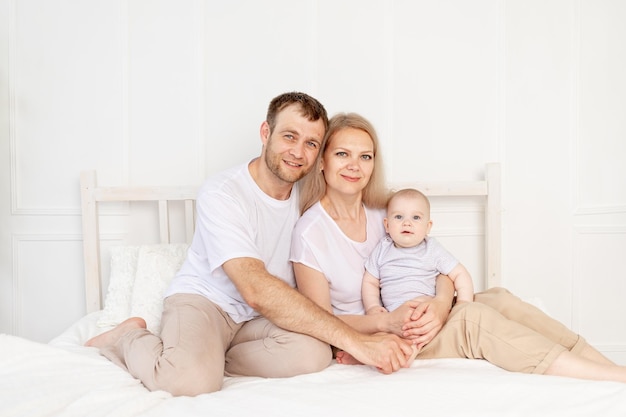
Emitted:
pixel 320 244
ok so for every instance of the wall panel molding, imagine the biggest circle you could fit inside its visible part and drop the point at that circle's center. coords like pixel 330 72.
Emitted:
pixel 587 45
pixel 17 183
pixel 17 279
pixel 17 255
pixel 12 103
pixel 124 102
pixel 200 23
pixel 587 210
pixel 579 292
pixel 16 206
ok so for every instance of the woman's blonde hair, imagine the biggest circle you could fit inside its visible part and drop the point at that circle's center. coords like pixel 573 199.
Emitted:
pixel 313 186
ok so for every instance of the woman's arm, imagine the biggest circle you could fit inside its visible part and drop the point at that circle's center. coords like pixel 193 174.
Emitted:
pixel 313 284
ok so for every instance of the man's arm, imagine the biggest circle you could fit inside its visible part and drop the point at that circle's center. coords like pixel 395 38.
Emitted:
pixel 287 308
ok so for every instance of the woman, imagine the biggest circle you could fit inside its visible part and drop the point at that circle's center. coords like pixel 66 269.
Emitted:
pixel 343 222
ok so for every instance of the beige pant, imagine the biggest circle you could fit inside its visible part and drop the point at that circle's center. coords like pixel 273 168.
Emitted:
pixel 199 344
pixel 504 330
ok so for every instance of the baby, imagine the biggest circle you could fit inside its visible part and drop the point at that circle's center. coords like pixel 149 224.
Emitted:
pixel 406 262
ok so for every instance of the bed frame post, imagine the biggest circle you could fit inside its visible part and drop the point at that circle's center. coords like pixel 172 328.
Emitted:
pixel 91 244
pixel 493 219
pixel 189 220
pixel 164 222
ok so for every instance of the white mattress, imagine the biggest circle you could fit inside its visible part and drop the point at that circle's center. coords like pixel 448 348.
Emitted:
pixel 64 378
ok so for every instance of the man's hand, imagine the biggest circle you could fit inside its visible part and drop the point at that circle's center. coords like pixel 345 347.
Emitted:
pixel 387 352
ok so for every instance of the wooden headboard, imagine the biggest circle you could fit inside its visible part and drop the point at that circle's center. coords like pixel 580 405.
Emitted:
pixel 92 194
pixel 490 189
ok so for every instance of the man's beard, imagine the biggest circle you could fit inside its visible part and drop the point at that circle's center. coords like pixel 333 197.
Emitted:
pixel 275 164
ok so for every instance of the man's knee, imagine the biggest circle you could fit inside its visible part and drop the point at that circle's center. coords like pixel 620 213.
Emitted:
pixel 190 383
pixel 321 356
pixel 195 388
pixel 312 355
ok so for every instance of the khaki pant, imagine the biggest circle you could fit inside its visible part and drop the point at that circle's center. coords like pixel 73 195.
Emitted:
pixel 504 330
pixel 199 344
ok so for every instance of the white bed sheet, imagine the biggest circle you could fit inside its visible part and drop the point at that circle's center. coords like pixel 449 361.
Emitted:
pixel 64 378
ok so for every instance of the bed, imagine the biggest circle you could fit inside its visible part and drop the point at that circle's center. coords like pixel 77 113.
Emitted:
pixel 64 378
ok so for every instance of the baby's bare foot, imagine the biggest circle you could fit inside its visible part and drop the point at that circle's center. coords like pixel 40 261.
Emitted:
pixel 416 351
pixel 110 337
pixel 345 358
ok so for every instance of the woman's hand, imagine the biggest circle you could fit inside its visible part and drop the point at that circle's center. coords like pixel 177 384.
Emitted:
pixel 426 319
pixel 430 313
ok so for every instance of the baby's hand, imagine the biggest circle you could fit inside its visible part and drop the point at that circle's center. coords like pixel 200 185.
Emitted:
pixel 376 310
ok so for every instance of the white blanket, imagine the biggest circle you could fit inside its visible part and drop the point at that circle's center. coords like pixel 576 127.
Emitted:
pixel 66 379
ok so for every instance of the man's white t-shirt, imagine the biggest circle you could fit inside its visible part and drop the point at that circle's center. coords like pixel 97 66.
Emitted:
pixel 235 219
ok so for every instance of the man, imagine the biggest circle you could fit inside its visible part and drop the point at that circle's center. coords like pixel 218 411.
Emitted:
pixel 232 308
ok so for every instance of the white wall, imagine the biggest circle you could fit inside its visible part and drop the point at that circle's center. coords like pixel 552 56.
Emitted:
pixel 169 91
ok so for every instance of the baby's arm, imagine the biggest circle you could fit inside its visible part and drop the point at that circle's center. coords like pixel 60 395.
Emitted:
pixel 462 283
pixel 370 293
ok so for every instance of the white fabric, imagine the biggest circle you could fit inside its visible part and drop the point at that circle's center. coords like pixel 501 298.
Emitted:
pixel 316 235
pixel 156 267
pixel 139 277
pixel 66 379
pixel 235 219
pixel 121 281
pixel 406 273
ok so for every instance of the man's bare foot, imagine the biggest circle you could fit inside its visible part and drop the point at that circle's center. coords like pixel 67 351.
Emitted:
pixel 110 337
pixel 345 358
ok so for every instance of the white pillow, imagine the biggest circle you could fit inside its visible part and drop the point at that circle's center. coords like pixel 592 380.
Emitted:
pixel 123 270
pixel 156 266
pixel 139 276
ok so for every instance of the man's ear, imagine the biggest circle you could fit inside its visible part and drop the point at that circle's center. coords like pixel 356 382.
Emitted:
pixel 265 132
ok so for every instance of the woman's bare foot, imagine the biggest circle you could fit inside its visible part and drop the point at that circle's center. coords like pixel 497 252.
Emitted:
pixel 110 337
pixel 345 358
